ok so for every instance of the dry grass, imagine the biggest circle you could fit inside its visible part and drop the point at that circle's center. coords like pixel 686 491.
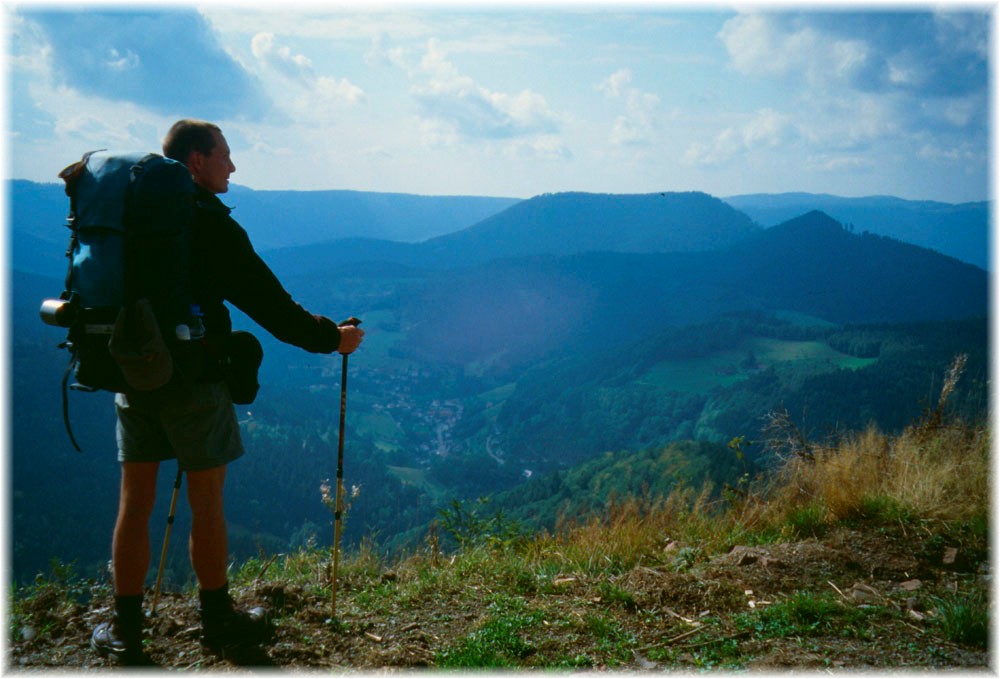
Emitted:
pixel 933 471
pixel 942 474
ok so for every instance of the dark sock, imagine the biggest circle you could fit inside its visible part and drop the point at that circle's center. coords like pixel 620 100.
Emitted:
pixel 215 602
pixel 128 616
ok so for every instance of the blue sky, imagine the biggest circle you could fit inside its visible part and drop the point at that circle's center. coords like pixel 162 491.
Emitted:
pixel 510 100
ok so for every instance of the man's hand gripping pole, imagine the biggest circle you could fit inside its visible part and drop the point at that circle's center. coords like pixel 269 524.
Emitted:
pixel 338 506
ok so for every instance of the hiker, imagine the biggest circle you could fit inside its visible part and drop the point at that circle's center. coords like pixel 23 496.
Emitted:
pixel 198 426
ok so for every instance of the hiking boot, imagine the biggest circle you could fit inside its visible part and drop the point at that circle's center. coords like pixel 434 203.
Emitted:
pixel 121 639
pixel 109 643
pixel 236 628
pixel 222 625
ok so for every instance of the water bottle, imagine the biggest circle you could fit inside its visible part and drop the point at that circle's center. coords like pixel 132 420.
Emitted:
pixel 194 330
pixel 198 326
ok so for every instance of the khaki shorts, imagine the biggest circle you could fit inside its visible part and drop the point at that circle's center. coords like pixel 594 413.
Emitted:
pixel 198 428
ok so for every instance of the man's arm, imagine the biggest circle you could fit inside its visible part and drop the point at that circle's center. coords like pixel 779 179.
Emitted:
pixel 254 289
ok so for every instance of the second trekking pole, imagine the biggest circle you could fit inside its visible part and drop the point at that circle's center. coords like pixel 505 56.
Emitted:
pixel 166 539
pixel 338 501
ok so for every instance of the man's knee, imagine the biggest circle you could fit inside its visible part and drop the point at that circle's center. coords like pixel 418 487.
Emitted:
pixel 205 491
pixel 138 491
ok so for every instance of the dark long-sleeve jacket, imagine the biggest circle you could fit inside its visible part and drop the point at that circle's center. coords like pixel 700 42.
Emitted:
pixel 225 267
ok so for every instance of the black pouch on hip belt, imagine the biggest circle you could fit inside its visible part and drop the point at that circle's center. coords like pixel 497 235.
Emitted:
pixel 243 358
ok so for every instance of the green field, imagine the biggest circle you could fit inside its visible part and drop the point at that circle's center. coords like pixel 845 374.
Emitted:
pixel 789 358
pixel 411 476
pixel 381 333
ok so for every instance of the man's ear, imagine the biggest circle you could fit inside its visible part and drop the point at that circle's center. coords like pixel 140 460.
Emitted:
pixel 195 161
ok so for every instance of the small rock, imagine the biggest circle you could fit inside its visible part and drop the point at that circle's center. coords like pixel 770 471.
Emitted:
pixel 744 556
pixel 644 662
pixel 911 585
pixel 950 554
pixel 865 594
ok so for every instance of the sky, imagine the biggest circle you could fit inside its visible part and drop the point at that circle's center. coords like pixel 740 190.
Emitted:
pixel 516 100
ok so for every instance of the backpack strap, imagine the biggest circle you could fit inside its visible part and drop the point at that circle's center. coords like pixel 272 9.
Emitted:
pixel 65 394
pixel 131 290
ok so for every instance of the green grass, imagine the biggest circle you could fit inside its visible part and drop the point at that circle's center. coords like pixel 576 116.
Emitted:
pixel 807 521
pixel 701 375
pixel 610 640
pixel 499 641
pixel 806 614
pixel 964 617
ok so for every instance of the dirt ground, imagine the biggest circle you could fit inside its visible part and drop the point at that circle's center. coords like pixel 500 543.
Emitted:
pixel 663 619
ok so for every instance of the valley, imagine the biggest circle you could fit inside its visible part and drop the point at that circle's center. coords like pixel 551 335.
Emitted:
pixel 490 371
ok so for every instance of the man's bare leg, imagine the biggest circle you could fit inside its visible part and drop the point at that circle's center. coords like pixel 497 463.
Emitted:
pixel 209 549
pixel 130 552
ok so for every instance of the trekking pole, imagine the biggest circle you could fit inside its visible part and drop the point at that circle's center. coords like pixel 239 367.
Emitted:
pixel 166 539
pixel 338 506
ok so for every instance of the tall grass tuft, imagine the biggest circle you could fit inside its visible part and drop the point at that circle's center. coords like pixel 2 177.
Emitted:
pixel 934 469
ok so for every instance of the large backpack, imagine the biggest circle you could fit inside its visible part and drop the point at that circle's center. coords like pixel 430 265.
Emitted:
pixel 126 303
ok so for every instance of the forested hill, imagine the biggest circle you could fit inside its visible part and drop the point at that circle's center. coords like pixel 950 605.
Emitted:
pixel 552 224
pixel 810 265
pixel 572 223
pixel 961 230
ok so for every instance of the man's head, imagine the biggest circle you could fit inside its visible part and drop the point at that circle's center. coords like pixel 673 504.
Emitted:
pixel 201 146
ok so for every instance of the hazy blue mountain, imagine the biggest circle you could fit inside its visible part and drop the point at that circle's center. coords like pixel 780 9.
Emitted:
pixel 551 224
pixel 514 311
pixel 274 219
pixel 37 232
pixel 572 223
pixel 960 230
pixel 283 218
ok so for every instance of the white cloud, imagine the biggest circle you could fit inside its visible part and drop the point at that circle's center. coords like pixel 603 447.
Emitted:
pixel 380 54
pixel 614 84
pixel 342 89
pixel 919 53
pixel 769 128
pixel 280 57
pixel 117 61
pixel 638 122
pixel 456 103
pixel 761 44
pixel 306 95
pixel 766 129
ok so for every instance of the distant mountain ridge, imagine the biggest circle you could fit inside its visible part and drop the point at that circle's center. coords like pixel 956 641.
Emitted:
pixel 305 217
pixel 334 227
pixel 573 223
pixel 273 219
pixel 552 224
pixel 528 307
pixel 960 230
